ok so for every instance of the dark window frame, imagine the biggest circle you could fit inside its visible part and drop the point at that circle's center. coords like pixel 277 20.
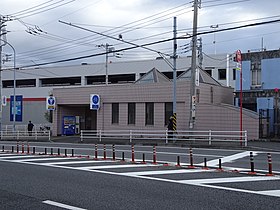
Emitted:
pixel 115 113
pixel 131 113
pixel 149 113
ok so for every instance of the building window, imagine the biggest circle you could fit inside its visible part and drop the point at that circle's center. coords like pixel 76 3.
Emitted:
pixel 222 74
pixel 115 113
pixel 256 73
pixel 234 74
pixel 25 83
pixel 150 113
pixel 209 70
pixel 168 110
pixel 131 113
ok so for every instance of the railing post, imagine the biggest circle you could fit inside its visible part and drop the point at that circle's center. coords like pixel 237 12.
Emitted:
pixel 82 133
pixel 100 135
pixel 246 138
pixel 49 135
pixel 166 136
pixel 17 133
pixel 130 136
pixel 36 135
pixel 210 137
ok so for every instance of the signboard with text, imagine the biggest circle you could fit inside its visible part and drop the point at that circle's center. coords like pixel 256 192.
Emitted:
pixel 17 109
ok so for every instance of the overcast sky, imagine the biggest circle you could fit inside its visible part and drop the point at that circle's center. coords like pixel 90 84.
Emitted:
pixel 38 37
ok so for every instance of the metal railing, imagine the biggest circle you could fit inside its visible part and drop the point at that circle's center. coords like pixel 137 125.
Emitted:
pixel 37 127
pixel 165 135
pixel 25 135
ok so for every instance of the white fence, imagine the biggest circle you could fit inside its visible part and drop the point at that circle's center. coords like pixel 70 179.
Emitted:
pixel 25 135
pixel 163 135
pixel 37 127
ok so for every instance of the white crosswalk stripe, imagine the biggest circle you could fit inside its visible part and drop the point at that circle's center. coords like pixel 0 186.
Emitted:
pixel 150 171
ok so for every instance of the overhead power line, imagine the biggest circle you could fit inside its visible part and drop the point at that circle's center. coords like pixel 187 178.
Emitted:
pixel 157 42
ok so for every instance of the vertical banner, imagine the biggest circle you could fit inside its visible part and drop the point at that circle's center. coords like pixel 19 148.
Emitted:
pixel 18 108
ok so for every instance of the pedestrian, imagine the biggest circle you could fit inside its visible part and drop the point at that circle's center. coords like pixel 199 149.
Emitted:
pixel 30 128
pixel 170 127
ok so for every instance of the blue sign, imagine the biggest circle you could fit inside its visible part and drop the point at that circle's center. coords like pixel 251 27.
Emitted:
pixel 50 103
pixel 18 108
pixel 94 102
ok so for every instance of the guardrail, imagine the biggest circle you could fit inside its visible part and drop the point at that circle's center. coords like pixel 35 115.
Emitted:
pixel 165 135
pixel 25 135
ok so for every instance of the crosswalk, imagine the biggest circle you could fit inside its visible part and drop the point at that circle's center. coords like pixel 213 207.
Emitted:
pixel 210 178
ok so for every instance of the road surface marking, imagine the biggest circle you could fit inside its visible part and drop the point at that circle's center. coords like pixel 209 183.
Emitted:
pixel 227 159
pixel 229 180
pixel 42 159
pixel 18 156
pixel 61 205
pixel 112 166
pixel 80 162
pixel 6 154
pixel 270 192
pixel 145 173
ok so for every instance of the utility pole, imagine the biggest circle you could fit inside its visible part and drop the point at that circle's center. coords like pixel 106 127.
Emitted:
pixel 197 4
pixel 106 64
pixel 174 75
pixel 108 50
pixel 1 26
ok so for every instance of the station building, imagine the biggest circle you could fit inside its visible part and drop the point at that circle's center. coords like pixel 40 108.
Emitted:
pixel 147 104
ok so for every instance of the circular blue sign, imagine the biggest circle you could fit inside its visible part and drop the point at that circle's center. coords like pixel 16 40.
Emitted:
pixel 95 99
pixel 51 101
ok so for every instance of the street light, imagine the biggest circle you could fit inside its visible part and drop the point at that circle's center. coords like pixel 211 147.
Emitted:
pixel 14 91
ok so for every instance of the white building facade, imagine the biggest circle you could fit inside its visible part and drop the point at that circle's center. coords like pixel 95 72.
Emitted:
pixel 35 84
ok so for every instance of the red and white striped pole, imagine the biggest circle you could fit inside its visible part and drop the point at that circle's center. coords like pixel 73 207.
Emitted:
pixel 132 154
pixel 114 152
pixel 154 155
pixel 252 172
pixel 269 159
pixel 191 159
pixel 104 152
pixel 96 152
pixel 22 148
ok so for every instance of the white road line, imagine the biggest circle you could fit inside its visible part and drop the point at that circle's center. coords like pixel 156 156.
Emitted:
pixel 40 159
pixel 79 162
pixel 112 166
pixel 229 180
pixel 19 156
pixel 227 159
pixel 143 173
pixel 6 154
pixel 61 205
pixel 270 192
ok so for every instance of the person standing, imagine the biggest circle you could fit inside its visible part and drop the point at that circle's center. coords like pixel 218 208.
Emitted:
pixel 170 127
pixel 30 128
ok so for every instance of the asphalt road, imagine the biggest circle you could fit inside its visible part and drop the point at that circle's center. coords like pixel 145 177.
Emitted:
pixel 26 186
pixel 47 181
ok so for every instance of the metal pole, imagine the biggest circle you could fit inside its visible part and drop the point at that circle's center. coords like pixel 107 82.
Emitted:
pixel 174 66
pixel 106 63
pixel 193 66
pixel 14 90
